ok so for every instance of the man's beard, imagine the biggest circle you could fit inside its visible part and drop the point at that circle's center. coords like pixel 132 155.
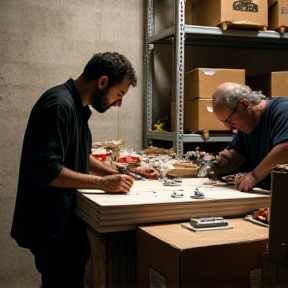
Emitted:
pixel 99 100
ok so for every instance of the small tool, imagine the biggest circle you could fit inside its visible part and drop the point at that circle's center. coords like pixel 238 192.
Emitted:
pixel 208 222
pixel 198 194
pixel 171 182
pixel 177 195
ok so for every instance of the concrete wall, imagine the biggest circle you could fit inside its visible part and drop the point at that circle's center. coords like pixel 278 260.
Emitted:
pixel 43 43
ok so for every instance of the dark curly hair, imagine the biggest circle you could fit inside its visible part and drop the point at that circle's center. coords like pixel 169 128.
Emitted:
pixel 111 64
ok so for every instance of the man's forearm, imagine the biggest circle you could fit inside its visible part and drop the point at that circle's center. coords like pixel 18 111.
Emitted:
pixel 227 161
pixel 67 178
pixel 278 155
pixel 71 179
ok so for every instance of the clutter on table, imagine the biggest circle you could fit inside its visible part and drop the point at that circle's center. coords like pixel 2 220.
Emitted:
pixel 153 162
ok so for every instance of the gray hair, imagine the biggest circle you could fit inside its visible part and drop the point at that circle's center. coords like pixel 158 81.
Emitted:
pixel 231 96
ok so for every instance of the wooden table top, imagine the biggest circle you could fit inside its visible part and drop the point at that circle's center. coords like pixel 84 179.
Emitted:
pixel 151 201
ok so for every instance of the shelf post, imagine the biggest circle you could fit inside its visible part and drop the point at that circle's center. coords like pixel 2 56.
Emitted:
pixel 179 46
pixel 148 62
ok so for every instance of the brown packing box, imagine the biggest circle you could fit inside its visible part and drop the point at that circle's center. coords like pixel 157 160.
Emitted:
pixel 278 15
pixel 172 256
pixel 201 82
pixel 275 264
pixel 215 12
pixel 197 117
pixel 278 224
pixel 272 84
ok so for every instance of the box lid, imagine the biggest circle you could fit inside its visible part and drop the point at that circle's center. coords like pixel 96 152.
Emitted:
pixel 183 239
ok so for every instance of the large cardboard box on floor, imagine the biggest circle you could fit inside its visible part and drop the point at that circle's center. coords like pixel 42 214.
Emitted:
pixel 197 117
pixel 201 82
pixel 245 14
pixel 278 15
pixel 272 84
pixel 275 265
pixel 171 256
pixel 278 224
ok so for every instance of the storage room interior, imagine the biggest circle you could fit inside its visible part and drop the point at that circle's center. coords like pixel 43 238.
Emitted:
pixel 44 43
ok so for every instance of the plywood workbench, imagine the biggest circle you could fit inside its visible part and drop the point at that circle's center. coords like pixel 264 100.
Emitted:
pixel 113 218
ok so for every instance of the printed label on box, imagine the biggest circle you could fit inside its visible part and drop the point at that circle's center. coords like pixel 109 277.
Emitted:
pixel 156 279
pixel 246 6
pixel 284 8
pixel 209 72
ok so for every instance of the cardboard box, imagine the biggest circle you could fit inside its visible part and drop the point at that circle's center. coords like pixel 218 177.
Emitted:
pixel 278 15
pixel 278 224
pixel 197 117
pixel 243 13
pixel 272 84
pixel 171 256
pixel 201 82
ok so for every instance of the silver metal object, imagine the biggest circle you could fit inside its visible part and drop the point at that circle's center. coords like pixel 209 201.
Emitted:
pixel 171 182
pixel 177 195
pixel 208 222
pixel 198 194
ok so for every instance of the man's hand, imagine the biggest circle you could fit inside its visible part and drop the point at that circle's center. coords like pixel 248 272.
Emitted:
pixel 147 172
pixel 226 161
pixel 245 181
pixel 120 183
pixel 212 170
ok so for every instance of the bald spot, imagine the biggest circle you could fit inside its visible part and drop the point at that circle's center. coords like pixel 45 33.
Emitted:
pixel 220 92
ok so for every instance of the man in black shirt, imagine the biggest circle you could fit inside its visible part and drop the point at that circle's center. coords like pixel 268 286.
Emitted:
pixel 56 161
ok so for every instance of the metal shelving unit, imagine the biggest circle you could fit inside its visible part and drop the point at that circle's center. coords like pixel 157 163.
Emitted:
pixel 180 35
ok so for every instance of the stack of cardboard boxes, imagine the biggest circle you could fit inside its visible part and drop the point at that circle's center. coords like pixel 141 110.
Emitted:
pixel 199 86
pixel 256 14
pixel 247 14
pixel 231 14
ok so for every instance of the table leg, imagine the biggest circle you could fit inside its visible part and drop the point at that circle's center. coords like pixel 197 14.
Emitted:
pixel 112 263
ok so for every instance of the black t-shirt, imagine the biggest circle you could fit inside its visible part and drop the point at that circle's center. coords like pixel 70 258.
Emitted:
pixel 57 136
